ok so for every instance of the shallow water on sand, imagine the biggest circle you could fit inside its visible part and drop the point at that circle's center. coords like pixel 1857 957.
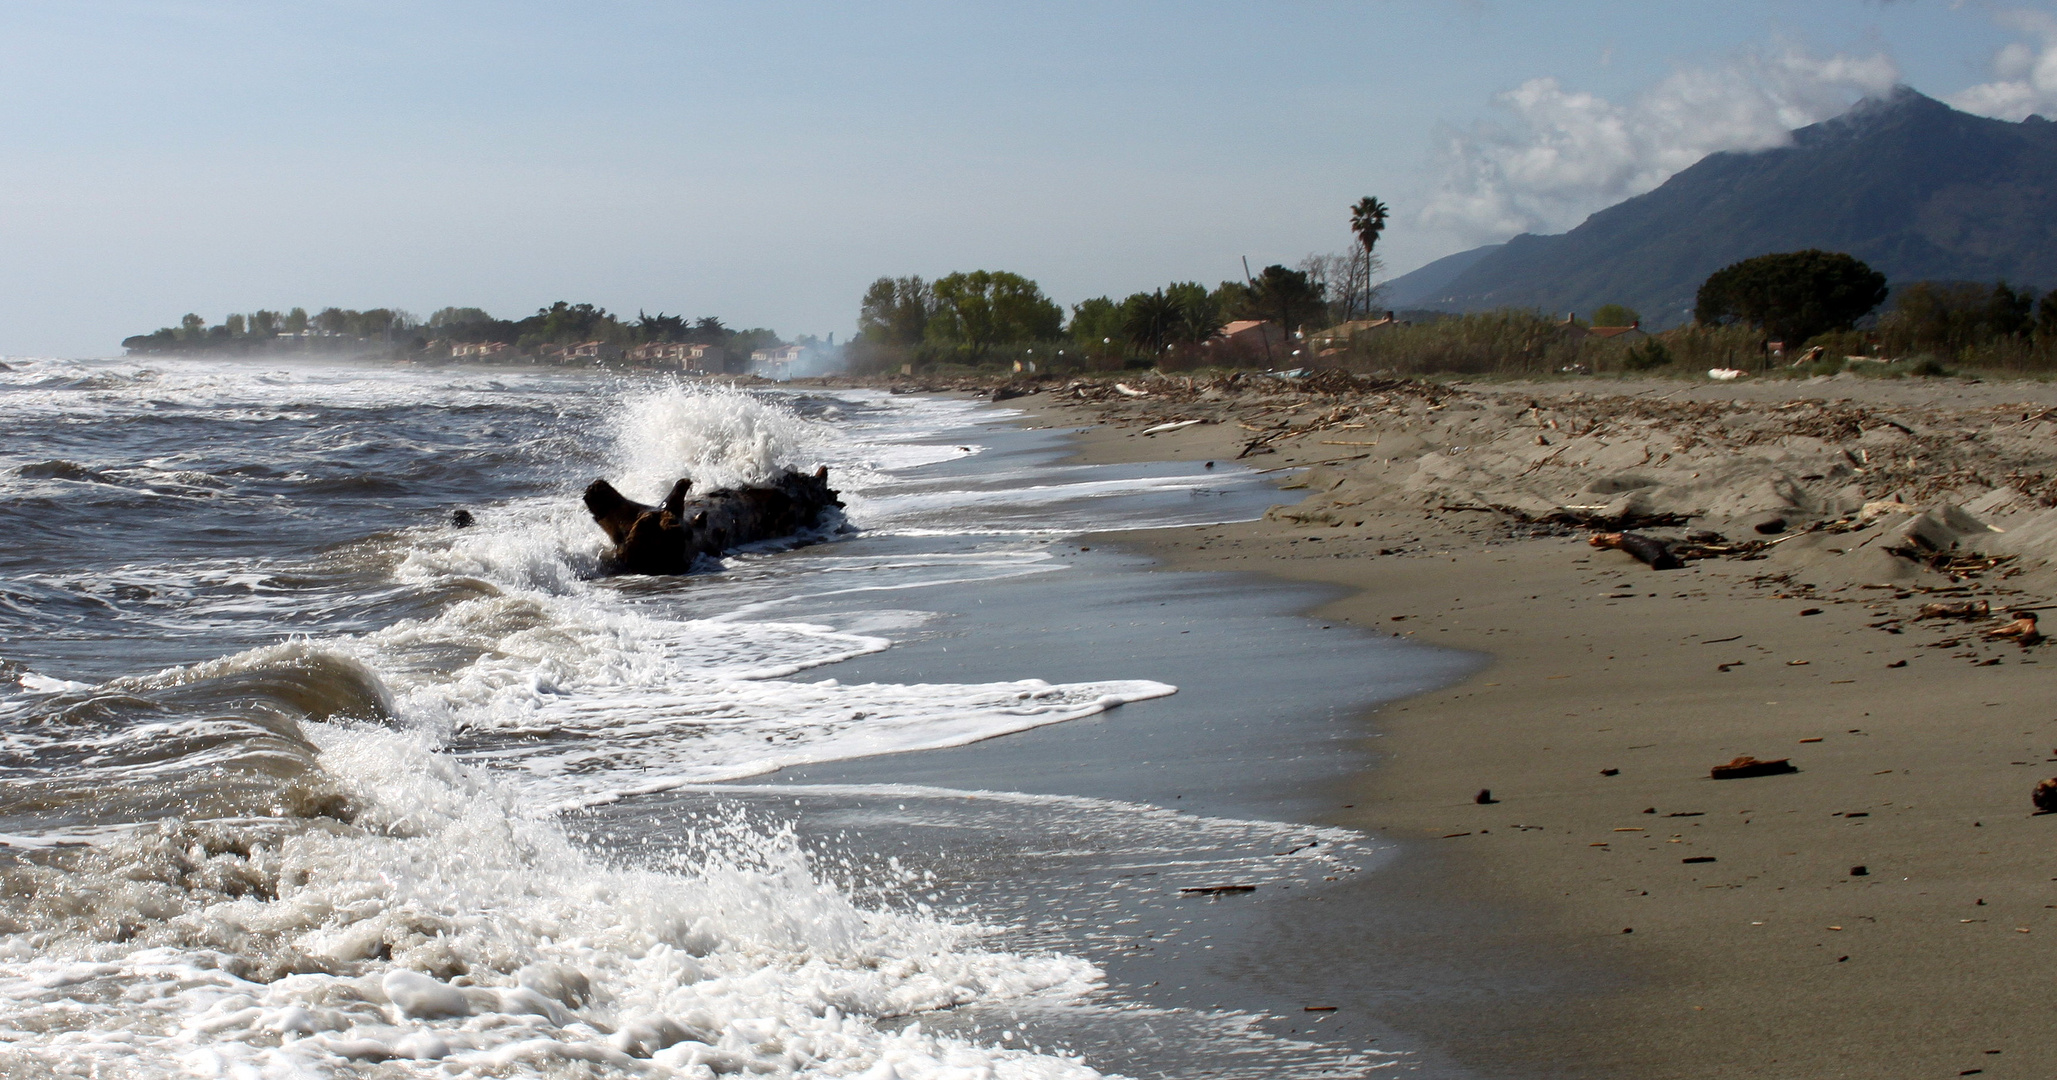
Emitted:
pixel 299 777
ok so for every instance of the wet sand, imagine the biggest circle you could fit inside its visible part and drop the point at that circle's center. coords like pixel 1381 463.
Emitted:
pixel 1198 985
pixel 1612 690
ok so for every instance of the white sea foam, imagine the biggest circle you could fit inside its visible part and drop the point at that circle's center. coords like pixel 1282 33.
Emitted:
pixel 536 689
pixel 446 925
pixel 719 436
pixel 240 393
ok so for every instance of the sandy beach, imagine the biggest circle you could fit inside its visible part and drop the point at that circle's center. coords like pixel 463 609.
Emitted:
pixel 1884 911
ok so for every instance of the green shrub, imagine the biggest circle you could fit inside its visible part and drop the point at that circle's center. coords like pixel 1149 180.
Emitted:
pixel 1646 356
pixel 1829 364
pixel 1616 315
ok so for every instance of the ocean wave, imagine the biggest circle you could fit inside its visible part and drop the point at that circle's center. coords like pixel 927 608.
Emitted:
pixel 305 856
pixel 222 740
pixel 444 924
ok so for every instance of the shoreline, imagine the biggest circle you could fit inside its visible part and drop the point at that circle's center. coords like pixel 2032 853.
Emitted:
pixel 1225 753
pixel 1774 958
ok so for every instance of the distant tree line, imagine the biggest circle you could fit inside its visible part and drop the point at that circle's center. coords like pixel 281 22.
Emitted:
pixel 1806 299
pixel 565 323
pixel 1807 312
pixel 1957 319
pixel 396 332
pixel 264 330
pixel 985 317
pixel 1796 313
pixel 990 317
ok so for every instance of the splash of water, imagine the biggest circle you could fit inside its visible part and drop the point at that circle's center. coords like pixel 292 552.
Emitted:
pixel 719 436
pixel 443 924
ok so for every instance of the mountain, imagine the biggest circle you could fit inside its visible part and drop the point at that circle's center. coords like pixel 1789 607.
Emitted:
pixel 1904 182
pixel 1419 288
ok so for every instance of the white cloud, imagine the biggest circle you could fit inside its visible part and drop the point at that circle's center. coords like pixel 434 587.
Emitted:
pixel 2027 74
pixel 1563 154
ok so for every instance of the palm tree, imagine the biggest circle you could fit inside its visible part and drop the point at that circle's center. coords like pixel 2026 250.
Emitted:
pixel 1368 220
pixel 1149 318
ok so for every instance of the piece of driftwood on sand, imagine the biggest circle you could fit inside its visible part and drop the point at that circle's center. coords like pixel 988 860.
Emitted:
pixel 1647 549
pixel 668 539
pixel 1747 766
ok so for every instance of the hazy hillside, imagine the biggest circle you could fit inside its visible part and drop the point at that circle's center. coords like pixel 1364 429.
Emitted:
pixel 1420 288
pixel 1906 183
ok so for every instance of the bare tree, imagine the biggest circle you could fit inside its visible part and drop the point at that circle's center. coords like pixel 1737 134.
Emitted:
pixel 1346 276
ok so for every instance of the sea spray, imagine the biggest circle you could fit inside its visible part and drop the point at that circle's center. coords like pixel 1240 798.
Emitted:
pixel 717 435
pixel 432 927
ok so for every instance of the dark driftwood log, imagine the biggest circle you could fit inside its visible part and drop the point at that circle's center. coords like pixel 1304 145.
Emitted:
pixel 667 539
pixel 1650 550
pixel 1749 766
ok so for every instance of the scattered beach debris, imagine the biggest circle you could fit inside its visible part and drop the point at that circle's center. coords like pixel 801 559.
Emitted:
pixel 2022 629
pixel 1610 772
pixel 1921 481
pixel 1860 871
pixel 1725 374
pixel 1746 766
pixel 1317 1008
pixel 1649 550
pixel 1485 797
pixel 1969 609
pixel 1173 426
pixel 1217 890
pixel 2045 796
pixel 1698 858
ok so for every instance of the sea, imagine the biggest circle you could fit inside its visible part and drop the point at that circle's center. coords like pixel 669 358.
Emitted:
pixel 303 775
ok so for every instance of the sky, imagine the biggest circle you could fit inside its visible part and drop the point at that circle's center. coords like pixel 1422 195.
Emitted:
pixel 763 162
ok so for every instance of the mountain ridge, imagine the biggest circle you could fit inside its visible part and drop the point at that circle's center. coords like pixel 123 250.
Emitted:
pixel 1915 188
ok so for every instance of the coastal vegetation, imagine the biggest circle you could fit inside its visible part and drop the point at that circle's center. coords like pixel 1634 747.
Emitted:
pixel 1792 296
pixel 1802 313
pixel 998 319
pixel 561 332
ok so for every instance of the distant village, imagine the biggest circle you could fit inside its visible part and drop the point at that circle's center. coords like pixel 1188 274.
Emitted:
pixel 691 358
